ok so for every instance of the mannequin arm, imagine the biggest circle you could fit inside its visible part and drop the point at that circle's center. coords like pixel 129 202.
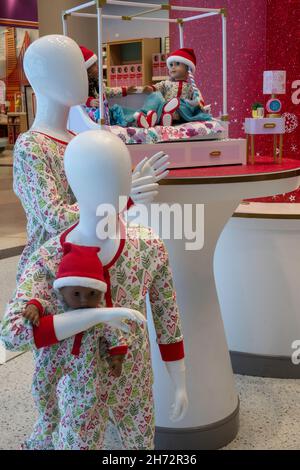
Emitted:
pixel 176 371
pixel 168 329
pixel 55 328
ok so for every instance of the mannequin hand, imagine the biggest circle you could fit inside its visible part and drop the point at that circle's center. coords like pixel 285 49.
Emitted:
pixel 143 188
pixel 176 370
pixel 147 89
pixel 115 317
pixel 155 166
pixel 94 103
pixel 131 89
pixel 179 407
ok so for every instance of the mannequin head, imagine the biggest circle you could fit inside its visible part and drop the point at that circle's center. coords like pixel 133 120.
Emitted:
pixel 55 69
pixel 98 168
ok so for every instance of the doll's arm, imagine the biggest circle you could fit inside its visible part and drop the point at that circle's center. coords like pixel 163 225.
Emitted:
pixel 168 330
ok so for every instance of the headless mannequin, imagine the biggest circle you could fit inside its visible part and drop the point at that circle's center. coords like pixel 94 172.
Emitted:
pixel 100 178
pixel 55 68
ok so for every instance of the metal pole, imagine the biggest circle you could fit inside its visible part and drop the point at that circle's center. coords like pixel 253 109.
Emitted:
pixel 128 18
pixel 181 37
pixel 64 22
pixel 199 17
pixel 100 66
pixel 224 41
pixel 153 5
pixel 81 7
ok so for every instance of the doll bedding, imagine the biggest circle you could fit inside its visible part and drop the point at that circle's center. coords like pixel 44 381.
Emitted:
pixel 187 131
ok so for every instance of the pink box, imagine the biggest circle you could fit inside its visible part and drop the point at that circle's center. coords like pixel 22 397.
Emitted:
pixel 155 64
pixel 113 76
pixel 119 75
pixel 125 75
pixel 139 74
pixel 132 75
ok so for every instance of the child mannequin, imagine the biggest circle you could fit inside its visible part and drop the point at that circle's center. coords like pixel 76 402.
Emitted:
pixel 177 99
pixel 84 291
pixel 135 264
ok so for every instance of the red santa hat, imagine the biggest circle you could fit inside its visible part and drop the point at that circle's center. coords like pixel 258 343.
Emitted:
pixel 184 56
pixel 89 57
pixel 80 266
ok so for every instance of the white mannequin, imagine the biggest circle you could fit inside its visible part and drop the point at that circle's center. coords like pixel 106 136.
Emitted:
pixel 55 68
pixel 100 178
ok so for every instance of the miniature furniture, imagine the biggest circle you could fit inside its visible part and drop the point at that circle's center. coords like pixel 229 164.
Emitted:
pixel 265 126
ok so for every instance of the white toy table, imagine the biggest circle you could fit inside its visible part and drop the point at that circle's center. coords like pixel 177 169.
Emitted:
pixel 265 126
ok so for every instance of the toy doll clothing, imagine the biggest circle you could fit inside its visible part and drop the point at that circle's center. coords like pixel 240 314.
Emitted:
pixel 141 267
pixel 163 92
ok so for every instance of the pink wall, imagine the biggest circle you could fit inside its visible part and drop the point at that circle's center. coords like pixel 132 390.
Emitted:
pixel 262 35
pixel 246 54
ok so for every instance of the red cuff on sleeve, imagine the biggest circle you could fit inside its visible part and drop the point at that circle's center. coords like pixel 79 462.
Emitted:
pixel 77 343
pixel 88 101
pixel 130 203
pixel 44 334
pixel 153 87
pixel 124 90
pixel 172 352
pixel 118 350
pixel 37 304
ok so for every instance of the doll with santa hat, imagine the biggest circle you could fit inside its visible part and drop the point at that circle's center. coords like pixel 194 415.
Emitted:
pixel 176 99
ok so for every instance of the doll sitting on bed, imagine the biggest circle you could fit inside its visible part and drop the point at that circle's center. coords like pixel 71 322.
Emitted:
pixel 92 102
pixel 174 100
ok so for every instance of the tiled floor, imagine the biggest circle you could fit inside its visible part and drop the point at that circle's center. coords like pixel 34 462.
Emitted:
pixel 12 217
pixel 269 416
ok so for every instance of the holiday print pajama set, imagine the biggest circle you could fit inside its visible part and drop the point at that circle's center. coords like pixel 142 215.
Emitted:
pixel 78 420
pixel 41 184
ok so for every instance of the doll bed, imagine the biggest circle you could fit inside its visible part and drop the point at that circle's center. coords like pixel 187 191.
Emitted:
pixel 208 144
pixel 80 120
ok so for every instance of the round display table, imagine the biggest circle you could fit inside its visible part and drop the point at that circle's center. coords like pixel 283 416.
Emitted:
pixel 257 269
pixel 213 415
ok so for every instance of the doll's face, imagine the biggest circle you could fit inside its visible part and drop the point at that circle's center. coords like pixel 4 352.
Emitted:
pixel 177 70
pixel 81 297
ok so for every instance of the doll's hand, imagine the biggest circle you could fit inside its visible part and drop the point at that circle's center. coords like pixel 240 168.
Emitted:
pixel 131 90
pixel 116 363
pixel 32 314
pixel 94 103
pixel 147 89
